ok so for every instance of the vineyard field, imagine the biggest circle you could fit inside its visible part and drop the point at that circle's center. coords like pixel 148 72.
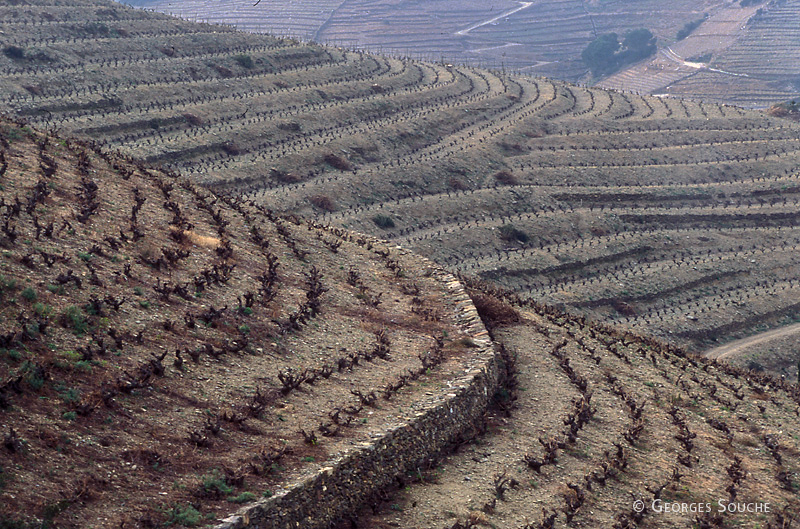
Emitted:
pixel 741 55
pixel 240 269
pixel 674 217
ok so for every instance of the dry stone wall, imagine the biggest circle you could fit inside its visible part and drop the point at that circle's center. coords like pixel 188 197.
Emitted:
pixel 320 498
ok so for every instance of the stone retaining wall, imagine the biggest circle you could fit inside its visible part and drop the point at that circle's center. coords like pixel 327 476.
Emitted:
pixel 324 496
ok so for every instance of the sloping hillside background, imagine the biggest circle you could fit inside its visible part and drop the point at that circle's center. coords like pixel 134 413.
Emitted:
pixel 674 217
pixel 735 52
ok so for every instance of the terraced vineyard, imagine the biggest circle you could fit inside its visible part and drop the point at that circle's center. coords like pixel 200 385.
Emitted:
pixel 543 38
pixel 599 421
pixel 674 217
pixel 740 55
pixel 172 347
pixel 167 355
pixel 300 19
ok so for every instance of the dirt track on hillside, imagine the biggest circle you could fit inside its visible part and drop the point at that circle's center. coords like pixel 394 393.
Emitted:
pixel 729 350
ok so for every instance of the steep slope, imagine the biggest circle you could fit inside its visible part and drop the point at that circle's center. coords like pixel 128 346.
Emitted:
pixel 675 217
pixel 599 420
pixel 165 354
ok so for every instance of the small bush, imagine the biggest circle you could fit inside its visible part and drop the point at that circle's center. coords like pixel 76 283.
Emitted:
pixel 187 516
pixel 29 294
pixel 244 497
pixel 69 416
pixel 231 148
pixel 245 61
pixel 291 126
pixel 70 395
pixel 34 375
pixel 73 356
pixel 222 71
pixel 509 233
pixel 32 330
pixel 689 27
pixel 337 162
pixel 193 120
pixel 15 53
pixel 284 177
pixel 323 202
pixel 73 318
pixel 493 311
pixel 456 184
pixel 383 221
pixel 505 177
pixel 83 365
pixel 215 485
pixel 7 284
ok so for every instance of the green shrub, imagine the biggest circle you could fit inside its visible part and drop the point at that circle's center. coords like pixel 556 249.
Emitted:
pixel 7 284
pixel 34 375
pixel 215 484
pixel 29 294
pixel 42 310
pixel 687 28
pixel 187 516
pixel 244 497
pixel 32 329
pixel 70 395
pixel 245 61
pixel 84 365
pixel 383 221
pixel 71 355
pixel 73 318
pixel 15 53
pixel 69 416
pixel 505 177
pixel 509 233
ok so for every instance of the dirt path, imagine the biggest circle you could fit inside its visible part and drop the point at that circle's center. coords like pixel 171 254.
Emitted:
pixel 523 5
pixel 728 350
